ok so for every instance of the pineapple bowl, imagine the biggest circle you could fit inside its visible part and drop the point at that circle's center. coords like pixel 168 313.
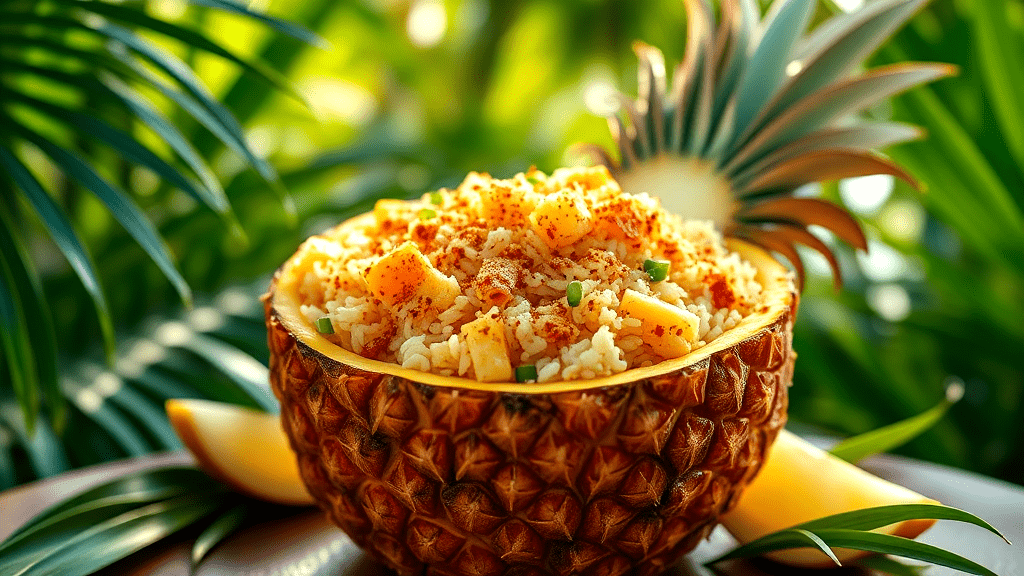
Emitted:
pixel 483 474
pixel 444 438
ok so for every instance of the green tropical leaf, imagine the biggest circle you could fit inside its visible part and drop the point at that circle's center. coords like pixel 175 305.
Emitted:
pixel 130 148
pixel 999 59
pixel 890 566
pixel 121 206
pixel 190 38
pixel 175 68
pixel 817 542
pixel 897 434
pixel 224 526
pixel 69 522
pixel 140 485
pixel 46 455
pixel 14 337
pixel 66 239
pixel 120 429
pixel 116 538
pixel 8 475
pixel 859 540
pixel 872 518
pixel 293 30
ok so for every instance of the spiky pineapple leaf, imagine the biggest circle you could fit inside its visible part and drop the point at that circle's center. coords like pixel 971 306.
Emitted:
pixel 897 434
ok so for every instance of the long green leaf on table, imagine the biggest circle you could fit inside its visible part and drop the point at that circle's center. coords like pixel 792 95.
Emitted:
pixel 225 525
pixel 895 435
pixel 152 482
pixel 891 566
pixel 33 302
pixel 860 540
pixel 879 516
pixel 191 38
pixel 66 239
pixel 118 537
pixel 87 514
pixel 121 206
pixel 16 345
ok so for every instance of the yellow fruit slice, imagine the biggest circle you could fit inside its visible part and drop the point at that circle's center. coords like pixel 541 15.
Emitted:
pixel 799 483
pixel 243 448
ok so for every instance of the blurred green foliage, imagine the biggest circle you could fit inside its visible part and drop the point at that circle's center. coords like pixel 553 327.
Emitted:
pixel 408 97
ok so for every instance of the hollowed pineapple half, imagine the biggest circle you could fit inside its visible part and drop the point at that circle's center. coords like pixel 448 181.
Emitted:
pixel 453 476
pixel 460 477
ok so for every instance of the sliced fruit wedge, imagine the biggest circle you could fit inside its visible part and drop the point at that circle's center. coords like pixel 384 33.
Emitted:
pixel 800 482
pixel 243 448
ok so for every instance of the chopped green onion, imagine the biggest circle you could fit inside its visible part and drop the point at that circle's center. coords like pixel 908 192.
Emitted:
pixel 574 293
pixel 324 326
pixel 526 373
pixel 656 269
pixel 534 180
pixel 436 198
pixel 427 214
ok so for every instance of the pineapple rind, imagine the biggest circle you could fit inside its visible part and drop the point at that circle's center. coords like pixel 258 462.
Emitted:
pixel 455 481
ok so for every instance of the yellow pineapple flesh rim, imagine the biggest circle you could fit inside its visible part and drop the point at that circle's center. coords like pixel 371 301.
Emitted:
pixel 773 276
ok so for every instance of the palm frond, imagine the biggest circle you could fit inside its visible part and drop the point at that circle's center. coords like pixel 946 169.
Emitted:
pixel 215 350
pixel 92 50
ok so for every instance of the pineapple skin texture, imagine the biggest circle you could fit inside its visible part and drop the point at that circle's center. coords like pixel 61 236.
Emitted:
pixel 460 482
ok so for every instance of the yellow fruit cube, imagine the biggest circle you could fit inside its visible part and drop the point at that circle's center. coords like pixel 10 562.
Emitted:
pixel 666 328
pixel 562 219
pixel 485 338
pixel 507 205
pixel 405 274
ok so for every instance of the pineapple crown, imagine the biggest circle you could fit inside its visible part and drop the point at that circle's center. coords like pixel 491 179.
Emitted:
pixel 758 108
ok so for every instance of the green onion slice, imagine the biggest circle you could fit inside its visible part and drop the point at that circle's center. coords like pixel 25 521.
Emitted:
pixel 526 373
pixel 574 293
pixel 427 214
pixel 656 269
pixel 324 326
pixel 534 180
pixel 436 198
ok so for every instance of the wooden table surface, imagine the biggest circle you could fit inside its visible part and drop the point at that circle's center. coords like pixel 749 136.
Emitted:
pixel 307 544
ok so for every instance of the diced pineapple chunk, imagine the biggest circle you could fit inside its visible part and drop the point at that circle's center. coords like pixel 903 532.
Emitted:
pixel 485 338
pixel 405 274
pixel 392 214
pixel 507 205
pixel 562 219
pixel 666 328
